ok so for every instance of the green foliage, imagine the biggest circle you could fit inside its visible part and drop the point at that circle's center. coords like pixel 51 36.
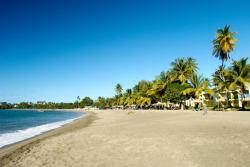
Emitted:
pixel 210 103
pixel 45 105
pixel 175 85
pixel 142 88
pixel 118 89
pixel 103 103
pixel 239 74
pixel 5 105
pixel 197 85
pixel 183 69
pixel 173 93
pixel 26 105
pixel 233 78
pixel 157 90
pixel 224 43
pixel 87 101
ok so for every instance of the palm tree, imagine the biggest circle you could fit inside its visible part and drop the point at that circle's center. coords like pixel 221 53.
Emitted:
pixel 192 64
pixel 158 89
pixel 128 91
pixel 132 99
pixel 224 43
pixel 118 89
pixel 239 73
pixel 163 76
pixel 126 96
pixel 222 81
pixel 139 94
pixel 198 86
pixel 78 101
pixel 183 69
pixel 142 87
pixel 142 101
pixel 166 77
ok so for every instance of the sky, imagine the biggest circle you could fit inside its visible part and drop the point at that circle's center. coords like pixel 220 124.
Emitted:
pixel 55 50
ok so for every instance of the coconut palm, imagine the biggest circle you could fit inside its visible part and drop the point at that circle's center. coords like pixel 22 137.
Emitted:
pixel 224 43
pixel 239 73
pixel 166 77
pixel 159 85
pixel 118 89
pixel 139 96
pixel 192 64
pixel 126 96
pixel 132 99
pixel 78 101
pixel 143 101
pixel 222 81
pixel 158 89
pixel 135 99
pixel 183 69
pixel 142 88
pixel 128 91
pixel 198 86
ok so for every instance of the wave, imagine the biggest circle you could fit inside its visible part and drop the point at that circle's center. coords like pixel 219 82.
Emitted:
pixel 19 135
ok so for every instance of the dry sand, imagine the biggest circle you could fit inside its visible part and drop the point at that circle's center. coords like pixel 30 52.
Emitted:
pixel 143 139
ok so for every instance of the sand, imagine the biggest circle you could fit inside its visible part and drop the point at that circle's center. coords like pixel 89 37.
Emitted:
pixel 147 139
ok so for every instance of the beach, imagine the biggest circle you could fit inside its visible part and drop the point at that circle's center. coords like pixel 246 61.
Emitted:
pixel 139 138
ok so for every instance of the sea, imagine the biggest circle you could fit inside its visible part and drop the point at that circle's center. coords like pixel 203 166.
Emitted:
pixel 18 125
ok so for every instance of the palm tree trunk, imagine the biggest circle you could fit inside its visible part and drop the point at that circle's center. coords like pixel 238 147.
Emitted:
pixel 242 99
pixel 222 63
pixel 227 94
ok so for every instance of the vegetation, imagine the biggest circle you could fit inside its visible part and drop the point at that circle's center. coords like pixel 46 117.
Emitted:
pixel 170 86
pixel 198 85
pixel 224 43
pixel 87 101
pixel 173 93
pixel 118 89
pixel 5 105
pixel 176 85
pixel 183 69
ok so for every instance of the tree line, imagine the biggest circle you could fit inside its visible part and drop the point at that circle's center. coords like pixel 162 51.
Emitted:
pixel 177 84
pixel 182 81
pixel 79 103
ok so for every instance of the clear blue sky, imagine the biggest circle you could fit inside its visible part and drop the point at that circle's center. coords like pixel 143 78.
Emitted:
pixel 55 50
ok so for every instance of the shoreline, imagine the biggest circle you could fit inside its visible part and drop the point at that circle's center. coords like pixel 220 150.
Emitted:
pixel 36 109
pixel 140 138
pixel 8 151
pixel 15 136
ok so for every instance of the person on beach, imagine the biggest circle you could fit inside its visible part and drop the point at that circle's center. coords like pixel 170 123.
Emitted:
pixel 204 109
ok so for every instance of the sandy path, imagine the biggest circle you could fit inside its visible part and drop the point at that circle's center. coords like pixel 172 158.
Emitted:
pixel 154 139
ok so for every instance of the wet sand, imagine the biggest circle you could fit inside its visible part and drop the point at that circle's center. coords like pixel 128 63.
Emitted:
pixel 141 138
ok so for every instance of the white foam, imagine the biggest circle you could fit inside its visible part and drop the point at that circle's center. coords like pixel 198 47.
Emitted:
pixel 13 137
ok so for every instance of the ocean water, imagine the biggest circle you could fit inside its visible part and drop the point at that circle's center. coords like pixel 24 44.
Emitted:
pixel 18 125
